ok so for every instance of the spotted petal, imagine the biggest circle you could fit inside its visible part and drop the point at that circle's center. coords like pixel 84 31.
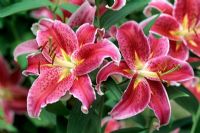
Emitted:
pixel 112 69
pixel 86 33
pixel 82 89
pixel 47 89
pixel 161 5
pixel 27 47
pixel 133 101
pixel 170 69
pixel 85 14
pixel 159 102
pixel 91 56
pixel 133 44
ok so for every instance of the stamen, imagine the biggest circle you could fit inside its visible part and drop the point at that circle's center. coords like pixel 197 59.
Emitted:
pixel 53 59
pixel 39 65
pixel 53 51
pixel 175 68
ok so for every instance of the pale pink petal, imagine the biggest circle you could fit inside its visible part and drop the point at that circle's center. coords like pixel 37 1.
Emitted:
pixel 161 5
pixel 166 25
pixel 159 102
pixel 134 100
pixel 170 69
pixel 159 46
pixel 53 36
pixel 86 33
pixel 4 70
pixel 91 56
pixel 133 43
pixel 117 5
pixel 27 47
pixel 189 8
pixel 42 13
pixel 47 89
pixel 193 43
pixel 112 69
pixel 36 64
pixel 85 14
pixel 178 50
pixel 82 89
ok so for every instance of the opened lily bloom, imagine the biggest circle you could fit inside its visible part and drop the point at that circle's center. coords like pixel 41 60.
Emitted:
pixel 146 63
pixel 63 65
pixel 180 23
pixel 12 95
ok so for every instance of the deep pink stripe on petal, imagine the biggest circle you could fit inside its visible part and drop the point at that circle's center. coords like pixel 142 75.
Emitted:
pixel 91 56
pixel 82 89
pixel 159 102
pixel 27 47
pixel 133 101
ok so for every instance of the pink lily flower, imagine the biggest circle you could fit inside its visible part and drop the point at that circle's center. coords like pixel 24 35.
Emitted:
pixel 12 95
pixel 146 63
pixel 180 23
pixel 110 124
pixel 63 64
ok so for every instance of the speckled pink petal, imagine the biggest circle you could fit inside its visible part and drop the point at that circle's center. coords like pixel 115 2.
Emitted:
pixel 82 89
pixel 165 25
pixel 134 100
pixel 161 5
pixel 178 50
pixel 91 56
pixel 191 8
pixel 132 42
pixel 159 47
pixel 36 64
pixel 27 47
pixel 47 89
pixel 85 14
pixel 117 5
pixel 159 102
pixel 111 69
pixel 193 43
pixel 53 36
pixel 86 33
pixel 170 69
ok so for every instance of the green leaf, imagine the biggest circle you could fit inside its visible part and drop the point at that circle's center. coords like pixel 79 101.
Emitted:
pixel 57 109
pixel 196 124
pixel 70 7
pixel 130 130
pixel 61 124
pixel 174 92
pixel 23 6
pixel 150 24
pixel 112 17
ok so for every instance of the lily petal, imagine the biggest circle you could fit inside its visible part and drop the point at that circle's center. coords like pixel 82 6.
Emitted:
pixel 165 25
pixel 178 50
pixel 159 102
pixel 117 5
pixel 47 89
pixel 189 9
pixel 16 76
pixel 161 5
pixel 27 47
pixel 86 33
pixel 133 101
pixel 4 70
pixel 112 69
pixel 82 89
pixel 170 69
pixel 8 113
pixel 36 64
pixel 193 43
pixel 91 56
pixel 131 40
pixel 85 14
pixel 53 36
pixel 159 46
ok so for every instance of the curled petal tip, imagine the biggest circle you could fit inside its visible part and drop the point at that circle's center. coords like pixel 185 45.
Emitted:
pixel 84 109
pixel 117 5
pixel 98 88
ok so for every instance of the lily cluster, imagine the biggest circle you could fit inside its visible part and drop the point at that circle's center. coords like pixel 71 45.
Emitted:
pixel 62 58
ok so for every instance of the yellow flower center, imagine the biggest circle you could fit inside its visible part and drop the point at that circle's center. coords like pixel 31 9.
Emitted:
pixel 5 94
